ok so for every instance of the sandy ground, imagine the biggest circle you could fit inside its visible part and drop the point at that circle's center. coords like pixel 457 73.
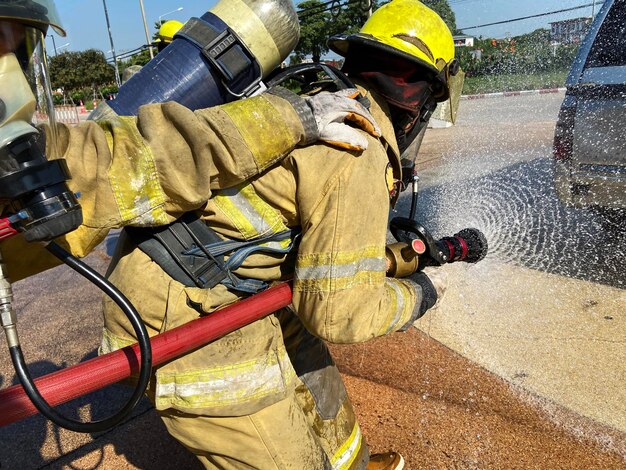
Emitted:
pixel 416 396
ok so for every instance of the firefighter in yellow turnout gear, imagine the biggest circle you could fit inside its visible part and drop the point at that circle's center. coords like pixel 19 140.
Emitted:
pixel 267 396
pixel 247 376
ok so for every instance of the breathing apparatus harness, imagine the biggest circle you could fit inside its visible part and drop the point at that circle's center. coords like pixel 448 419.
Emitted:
pixel 192 253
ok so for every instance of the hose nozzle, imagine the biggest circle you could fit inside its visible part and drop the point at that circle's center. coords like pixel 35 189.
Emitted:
pixel 417 248
pixel 469 245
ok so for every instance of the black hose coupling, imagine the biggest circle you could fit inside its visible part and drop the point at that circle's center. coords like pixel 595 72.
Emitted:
pixel 36 191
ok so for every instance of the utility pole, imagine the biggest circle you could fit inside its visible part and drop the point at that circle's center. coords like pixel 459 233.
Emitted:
pixel 117 71
pixel 145 27
pixel 54 44
pixel 593 9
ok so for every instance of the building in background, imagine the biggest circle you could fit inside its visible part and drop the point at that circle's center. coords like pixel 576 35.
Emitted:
pixel 569 31
pixel 462 40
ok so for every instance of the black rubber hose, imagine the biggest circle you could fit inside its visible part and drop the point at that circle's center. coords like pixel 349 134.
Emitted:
pixel 413 211
pixel 143 339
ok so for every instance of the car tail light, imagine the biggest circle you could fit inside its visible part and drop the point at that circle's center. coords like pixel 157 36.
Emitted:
pixel 564 134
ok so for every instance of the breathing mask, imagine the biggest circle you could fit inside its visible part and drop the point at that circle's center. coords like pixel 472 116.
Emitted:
pixel 33 190
pixel 410 91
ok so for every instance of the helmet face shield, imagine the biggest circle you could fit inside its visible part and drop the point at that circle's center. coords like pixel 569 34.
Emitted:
pixel 37 13
pixel 25 91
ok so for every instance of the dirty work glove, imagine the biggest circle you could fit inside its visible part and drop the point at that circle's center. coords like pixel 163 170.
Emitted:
pixel 332 110
pixel 433 281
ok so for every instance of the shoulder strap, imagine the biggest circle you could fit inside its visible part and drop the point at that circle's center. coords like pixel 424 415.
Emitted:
pixel 228 54
pixel 168 246
pixel 193 254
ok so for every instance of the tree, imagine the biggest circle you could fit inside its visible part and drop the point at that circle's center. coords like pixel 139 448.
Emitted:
pixel 442 8
pixel 157 29
pixel 72 71
pixel 141 58
pixel 314 29
pixel 319 21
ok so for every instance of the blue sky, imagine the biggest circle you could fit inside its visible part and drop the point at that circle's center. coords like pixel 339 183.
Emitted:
pixel 85 22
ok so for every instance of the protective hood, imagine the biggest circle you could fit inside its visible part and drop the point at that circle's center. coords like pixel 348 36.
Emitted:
pixel 380 110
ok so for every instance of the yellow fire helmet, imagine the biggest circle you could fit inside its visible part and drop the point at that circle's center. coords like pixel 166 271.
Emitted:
pixel 168 29
pixel 407 29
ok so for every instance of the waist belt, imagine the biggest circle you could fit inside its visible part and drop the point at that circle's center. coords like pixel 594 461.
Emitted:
pixel 193 254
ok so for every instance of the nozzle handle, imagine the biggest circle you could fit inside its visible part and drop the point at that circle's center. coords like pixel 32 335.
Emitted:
pixel 468 245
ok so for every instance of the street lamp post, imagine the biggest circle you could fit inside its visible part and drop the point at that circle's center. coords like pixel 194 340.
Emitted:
pixel 169 13
pixel 117 71
pixel 61 47
pixel 145 27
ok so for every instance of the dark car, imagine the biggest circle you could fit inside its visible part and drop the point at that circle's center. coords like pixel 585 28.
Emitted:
pixel 590 139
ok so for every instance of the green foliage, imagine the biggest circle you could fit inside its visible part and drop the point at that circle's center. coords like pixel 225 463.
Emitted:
pixel 317 25
pixel 157 28
pixel 142 58
pixel 314 30
pixel 527 54
pixel 442 8
pixel 75 72
pixel 513 82
pixel 86 75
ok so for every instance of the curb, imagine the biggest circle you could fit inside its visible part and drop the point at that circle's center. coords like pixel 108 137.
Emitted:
pixel 506 94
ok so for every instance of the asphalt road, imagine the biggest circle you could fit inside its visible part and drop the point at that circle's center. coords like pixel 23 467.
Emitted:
pixel 521 365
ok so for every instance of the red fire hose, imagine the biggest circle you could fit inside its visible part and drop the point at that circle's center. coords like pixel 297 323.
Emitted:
pixel 86 377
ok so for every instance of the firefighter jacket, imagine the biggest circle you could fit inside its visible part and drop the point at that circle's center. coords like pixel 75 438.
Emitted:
pixel 150 169
pixel 203 161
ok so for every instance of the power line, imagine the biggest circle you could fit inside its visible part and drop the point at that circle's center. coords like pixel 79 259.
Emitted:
pixel 458 2
pixel 317 7
pixel 128 54
pixel 330 6
pixel 532 16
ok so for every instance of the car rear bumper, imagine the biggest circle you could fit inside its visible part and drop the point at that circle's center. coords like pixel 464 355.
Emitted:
pixel 597 187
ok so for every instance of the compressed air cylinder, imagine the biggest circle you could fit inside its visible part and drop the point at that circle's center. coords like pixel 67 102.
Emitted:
pixel 196 75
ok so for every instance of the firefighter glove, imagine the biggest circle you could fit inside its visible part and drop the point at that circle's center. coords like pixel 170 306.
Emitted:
pixel 333 112
pixel 433 281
